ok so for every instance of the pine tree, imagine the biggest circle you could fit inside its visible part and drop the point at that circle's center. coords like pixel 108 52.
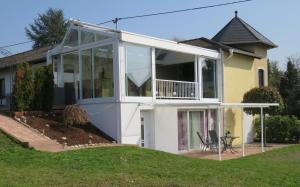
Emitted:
pixel 48 29
pixel 275 74
pixel 43 88
pixel 289 88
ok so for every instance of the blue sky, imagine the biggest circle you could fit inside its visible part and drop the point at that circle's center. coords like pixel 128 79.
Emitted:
pixel 276 19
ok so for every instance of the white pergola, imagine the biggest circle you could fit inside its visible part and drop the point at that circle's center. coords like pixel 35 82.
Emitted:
pixel 242 106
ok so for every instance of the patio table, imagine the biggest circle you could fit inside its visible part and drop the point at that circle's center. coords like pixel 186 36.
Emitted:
pixel 228 140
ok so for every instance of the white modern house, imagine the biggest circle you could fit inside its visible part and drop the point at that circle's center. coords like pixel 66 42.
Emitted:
pixel 140 89
pixel 152 92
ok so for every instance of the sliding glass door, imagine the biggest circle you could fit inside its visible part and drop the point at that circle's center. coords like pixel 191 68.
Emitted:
pixel 196 125
pixel 191 124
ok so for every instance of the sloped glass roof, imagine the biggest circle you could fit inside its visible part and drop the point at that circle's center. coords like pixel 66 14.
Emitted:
pixel 71 38
pixel 81 35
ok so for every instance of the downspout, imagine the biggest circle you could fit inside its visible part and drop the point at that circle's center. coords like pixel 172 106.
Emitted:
pixel 230 54
pixel 223 60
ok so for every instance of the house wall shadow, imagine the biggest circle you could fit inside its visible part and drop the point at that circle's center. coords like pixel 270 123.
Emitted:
pixel 229 121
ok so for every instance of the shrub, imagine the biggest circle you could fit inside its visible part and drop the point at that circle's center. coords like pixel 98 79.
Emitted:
pixel 74 115
pixel 22 94
pixel 43 88
pixel 263 95
pixel 279 129
pixel 38 88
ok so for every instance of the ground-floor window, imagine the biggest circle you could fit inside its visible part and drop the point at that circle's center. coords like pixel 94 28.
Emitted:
pixel 193 125
pixel 2 88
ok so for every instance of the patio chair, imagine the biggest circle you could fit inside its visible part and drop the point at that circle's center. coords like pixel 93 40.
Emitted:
pixel 214 140
pixel 206 145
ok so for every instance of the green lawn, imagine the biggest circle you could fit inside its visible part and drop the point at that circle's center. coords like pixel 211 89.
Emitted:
pixel 131 166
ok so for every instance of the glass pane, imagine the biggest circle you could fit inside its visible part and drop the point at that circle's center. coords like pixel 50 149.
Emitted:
pixel 138 71
pixel 103 71
pixel 196 125
pixel 101 37
pixel 182 131
pixel 56 62
pixel 87 37
pixel 71 77
pixel 209 78
pixel 171 65
pixel 71 39
pixel 212 125
pixel 87 84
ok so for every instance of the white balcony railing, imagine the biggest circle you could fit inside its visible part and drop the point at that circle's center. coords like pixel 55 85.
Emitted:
pixel 169 89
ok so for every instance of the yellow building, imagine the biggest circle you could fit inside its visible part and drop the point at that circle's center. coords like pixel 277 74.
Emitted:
pixel 245 66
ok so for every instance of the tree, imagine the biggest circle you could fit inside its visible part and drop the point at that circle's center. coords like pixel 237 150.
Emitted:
pixel 47 29
pixel 43 88
pixel 22 95
pixel 275 74
pixel 263 95
pixel 289 89
pixel 48 88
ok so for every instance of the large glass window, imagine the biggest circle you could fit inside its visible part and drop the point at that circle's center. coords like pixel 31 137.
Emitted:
pixel 71 77
pixel 87 84
pixel 138 71
pixel 103 71
pixel 209 78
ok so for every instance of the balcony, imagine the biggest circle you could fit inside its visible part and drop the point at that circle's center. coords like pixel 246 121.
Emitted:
pixel 169 89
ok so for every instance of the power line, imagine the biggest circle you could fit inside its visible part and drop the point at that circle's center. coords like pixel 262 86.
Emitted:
pixel 173 11
pixel 10 45
pixel 115 20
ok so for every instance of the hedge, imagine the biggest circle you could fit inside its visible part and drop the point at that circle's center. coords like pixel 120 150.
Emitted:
pixel 279 129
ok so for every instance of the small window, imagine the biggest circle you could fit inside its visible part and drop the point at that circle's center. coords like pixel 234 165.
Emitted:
pixel 261 78
pixel 2 88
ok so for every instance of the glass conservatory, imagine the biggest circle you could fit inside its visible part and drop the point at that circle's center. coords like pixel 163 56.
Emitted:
pixel 96 63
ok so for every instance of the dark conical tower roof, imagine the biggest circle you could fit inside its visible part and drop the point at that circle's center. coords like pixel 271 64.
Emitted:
pixel 237 31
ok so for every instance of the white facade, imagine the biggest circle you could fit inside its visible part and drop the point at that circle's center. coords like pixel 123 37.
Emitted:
pixel 142 84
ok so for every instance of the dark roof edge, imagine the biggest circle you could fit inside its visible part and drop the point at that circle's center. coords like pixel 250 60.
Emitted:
pixel 250 42
pixel 26 52
pixel 246 25
pixel 225 47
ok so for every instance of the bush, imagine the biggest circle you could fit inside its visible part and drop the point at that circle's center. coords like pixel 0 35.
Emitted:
pixel 279 129
pixel 22 94
pixel 43 88
pixel 74 115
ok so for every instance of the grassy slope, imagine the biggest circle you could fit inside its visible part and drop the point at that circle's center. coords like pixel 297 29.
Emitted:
pixel 134 166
